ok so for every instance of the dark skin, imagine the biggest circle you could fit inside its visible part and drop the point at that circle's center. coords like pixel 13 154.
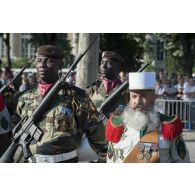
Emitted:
pixel 47 68
pixel 109 69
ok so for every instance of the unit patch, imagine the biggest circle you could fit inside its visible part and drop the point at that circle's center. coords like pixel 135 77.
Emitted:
pixel 180 147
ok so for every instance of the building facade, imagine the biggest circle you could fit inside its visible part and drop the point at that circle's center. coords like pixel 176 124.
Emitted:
pixel 19 46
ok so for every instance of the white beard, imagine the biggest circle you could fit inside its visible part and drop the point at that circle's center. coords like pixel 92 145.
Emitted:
pixel 139 120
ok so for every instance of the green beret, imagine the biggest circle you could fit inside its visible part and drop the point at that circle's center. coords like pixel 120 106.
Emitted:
pixel 113 56
pixel 50 51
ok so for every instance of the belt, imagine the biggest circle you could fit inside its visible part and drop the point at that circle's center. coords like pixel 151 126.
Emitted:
pixel 39 158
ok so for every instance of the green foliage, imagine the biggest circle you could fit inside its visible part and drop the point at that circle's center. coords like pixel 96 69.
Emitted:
pixel 20 63
pixel 172 66
pixel 180 48
pixel 57 39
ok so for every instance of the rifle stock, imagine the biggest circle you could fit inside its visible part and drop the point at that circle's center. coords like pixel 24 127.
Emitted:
pixel 29 131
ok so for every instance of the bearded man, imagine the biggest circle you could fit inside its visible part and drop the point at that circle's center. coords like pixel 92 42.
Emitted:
pixel 140 134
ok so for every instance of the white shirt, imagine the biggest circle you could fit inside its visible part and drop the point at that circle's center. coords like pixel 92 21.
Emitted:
pixel 188 89
pixel 160 91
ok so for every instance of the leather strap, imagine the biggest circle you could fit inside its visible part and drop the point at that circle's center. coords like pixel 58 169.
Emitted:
pixel 132 157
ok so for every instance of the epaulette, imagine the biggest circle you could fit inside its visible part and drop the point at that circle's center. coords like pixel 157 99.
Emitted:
pixel 114 129
pixel 171 126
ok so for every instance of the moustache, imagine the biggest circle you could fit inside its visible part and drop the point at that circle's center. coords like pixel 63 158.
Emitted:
pixel 138 107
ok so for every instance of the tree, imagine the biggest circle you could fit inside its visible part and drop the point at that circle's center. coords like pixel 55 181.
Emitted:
pixel 88 66
pixel 6 39
pixel 57 39
pixel 129 45
pixel 180 49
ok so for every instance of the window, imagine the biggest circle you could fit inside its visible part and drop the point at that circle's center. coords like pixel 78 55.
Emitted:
pixel 28 50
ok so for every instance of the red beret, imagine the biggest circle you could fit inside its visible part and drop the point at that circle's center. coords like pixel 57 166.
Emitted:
pixel 50 51
pixel 113 56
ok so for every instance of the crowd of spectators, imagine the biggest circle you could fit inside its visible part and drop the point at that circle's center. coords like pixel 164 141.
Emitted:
pixel 172 87
pixel 177 86
pixel 20 84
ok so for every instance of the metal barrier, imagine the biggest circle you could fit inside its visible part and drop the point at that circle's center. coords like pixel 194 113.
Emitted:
pixel 184 109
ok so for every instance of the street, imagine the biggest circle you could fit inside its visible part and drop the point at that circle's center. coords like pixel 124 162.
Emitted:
pixel 189 137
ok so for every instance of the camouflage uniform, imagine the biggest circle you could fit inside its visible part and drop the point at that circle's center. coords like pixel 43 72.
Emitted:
pixel 98 95
pixel 64 123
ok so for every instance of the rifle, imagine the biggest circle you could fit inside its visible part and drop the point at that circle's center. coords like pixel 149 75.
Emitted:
pixel 29 131
pixel 4 88
pixel 115 94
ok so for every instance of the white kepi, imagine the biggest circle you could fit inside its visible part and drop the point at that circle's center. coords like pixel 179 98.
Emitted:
pixel 142 80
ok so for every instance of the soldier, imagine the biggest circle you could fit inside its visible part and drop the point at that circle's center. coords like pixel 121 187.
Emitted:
pixel 140 134
pixel 111 65
pixel 67 117
pixel 5 126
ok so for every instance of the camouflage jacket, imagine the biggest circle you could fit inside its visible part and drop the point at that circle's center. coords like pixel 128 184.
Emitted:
pixel 98 94
pixel 67 118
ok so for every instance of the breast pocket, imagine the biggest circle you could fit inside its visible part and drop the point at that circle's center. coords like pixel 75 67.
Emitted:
pixel 64 119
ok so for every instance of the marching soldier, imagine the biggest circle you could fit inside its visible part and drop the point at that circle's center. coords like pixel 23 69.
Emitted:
pixel 111 65
pixel 140 134
pixel 67 118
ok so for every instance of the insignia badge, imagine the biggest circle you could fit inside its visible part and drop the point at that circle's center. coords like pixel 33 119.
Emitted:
pixel 66 111
pixel 146 151
pixel 180 147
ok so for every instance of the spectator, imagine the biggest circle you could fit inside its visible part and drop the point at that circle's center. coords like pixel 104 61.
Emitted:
pixel 159 91
pixel 189 94
pixel 186 79
pixel 169 90
pixel 174 78
pixel 122 76
pixel 32 79
pixel 189 90
pixel 25 84
pixel 7 76
pixel 180 87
